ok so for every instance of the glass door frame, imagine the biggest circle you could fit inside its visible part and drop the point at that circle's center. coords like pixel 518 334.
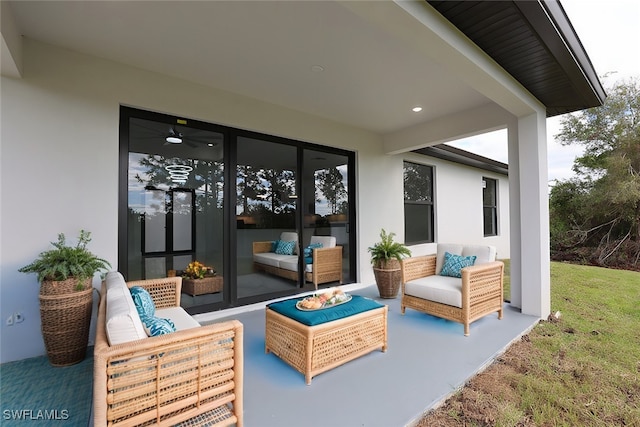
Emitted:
pixel 229 245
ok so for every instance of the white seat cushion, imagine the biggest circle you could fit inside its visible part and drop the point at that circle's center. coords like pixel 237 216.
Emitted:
pixel 179 317
pixel 442 289
pixel 272 259
pixel 289 263
pixel 122 321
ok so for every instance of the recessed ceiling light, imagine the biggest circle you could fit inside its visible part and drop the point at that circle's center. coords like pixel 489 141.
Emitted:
pixel 416 109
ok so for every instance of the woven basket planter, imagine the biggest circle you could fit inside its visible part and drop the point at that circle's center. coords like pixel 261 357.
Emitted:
pixel 207 285
pixel 65 316
pixel 388 278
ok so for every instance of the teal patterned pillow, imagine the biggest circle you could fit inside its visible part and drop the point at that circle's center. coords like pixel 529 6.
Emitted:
pixel 454 263
pixel 143 302
pixel 308 252
pixel 285 248
pixel 155 326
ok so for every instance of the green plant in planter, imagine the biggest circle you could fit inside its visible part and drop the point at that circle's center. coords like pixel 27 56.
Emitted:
pixel 386 250
pixel 65 262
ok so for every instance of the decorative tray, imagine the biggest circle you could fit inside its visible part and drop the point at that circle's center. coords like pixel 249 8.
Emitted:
pixel 322 301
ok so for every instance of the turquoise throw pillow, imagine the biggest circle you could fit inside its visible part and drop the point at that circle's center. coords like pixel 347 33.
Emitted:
pixel 285 248
pixel 274 245
pixel 308 252
pixel 155 326
pixel 454 263
pixel 143 302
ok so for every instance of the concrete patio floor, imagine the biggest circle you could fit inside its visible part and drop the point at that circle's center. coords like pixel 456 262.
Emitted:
pixel 427 360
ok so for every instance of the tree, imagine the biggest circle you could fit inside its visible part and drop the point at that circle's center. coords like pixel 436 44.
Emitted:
pixel 602 204
pixel 330 183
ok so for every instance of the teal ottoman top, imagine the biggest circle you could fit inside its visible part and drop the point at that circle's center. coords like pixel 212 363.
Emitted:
pixel 357 305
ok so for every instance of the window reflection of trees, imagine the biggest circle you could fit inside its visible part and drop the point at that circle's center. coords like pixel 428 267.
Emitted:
pixel 267 196
pixel 330 184
pixel 205 178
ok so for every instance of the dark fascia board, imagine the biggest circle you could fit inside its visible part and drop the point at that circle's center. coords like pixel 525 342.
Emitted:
pixel 550 21
pixel 554 35
pixel 457 155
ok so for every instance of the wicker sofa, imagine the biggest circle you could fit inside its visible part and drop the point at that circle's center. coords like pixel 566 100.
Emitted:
pixel 193 375
pixel 326 265
pixel 477 293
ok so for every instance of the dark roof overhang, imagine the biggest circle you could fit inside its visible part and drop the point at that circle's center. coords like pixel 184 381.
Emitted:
pixel 453 154
pixel 535 42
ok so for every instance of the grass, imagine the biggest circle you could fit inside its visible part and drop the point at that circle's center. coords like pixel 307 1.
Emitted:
pixel 581 369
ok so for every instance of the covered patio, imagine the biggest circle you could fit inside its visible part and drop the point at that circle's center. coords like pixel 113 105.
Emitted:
pixel 427 360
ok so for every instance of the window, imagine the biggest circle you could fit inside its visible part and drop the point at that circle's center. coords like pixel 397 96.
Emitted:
pixel 490 206
pixel 418 203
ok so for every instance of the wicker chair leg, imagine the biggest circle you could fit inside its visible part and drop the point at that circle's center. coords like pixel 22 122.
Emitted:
pixel 466 329
pixel 500 314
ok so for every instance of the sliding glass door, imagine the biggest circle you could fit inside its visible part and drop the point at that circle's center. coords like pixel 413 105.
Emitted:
pixel 175 201
pixel 266 207
pixel 194 191
pixel 325 191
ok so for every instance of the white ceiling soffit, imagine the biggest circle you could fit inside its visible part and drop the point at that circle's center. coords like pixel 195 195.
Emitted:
pixel 269 50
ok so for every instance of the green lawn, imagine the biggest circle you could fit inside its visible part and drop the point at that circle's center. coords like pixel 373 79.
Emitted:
pixel 580 370
pixel 588 369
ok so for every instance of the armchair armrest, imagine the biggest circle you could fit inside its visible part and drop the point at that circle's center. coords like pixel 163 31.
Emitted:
pixel 417 267
pixel 164 291
pixel 483 281
pixel 261 247
pixel 327 258
pixel 201 370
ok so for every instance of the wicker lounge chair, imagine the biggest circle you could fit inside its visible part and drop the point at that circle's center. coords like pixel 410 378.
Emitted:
pixel 477 293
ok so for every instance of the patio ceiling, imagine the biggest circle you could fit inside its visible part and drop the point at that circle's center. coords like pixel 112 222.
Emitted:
pixel 345 61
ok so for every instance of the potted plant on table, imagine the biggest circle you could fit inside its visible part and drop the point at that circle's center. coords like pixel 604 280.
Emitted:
pixel 385 258
pixel 66 297
pixel 198 279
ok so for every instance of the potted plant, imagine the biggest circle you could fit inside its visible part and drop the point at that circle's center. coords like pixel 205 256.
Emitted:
pixel 385 258
pixel 66 297
pixel 199 279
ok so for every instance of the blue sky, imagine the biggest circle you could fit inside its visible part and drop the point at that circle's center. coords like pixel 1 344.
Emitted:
pixel 610 33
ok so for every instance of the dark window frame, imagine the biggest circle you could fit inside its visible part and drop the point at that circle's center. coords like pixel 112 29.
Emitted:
pixel 428 226
pixel 489 208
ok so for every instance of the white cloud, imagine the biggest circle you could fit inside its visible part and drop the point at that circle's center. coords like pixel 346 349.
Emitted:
pixel 492 145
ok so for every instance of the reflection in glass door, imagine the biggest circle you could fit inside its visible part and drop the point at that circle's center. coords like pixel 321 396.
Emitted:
pixel 266 206
pixel 225 197
pixel 175 193
pixel 325 191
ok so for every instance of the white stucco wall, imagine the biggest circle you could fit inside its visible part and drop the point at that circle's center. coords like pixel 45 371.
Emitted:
pixel 458 207
pixel 59 168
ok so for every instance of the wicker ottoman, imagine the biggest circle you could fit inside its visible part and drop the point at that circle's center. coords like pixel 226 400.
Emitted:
pixel 313 349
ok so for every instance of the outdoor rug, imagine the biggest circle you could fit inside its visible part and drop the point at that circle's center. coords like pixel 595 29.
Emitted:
pixel 32 392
